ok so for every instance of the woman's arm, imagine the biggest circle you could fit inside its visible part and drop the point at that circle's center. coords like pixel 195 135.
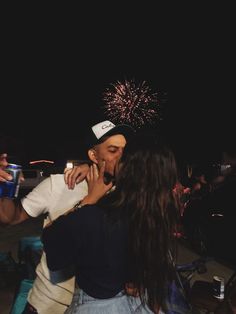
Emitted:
pixel 58 241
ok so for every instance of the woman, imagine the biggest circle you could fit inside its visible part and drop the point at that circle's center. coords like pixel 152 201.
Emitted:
pixel 125 237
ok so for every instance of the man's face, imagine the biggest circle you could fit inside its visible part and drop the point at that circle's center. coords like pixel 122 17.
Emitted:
pixel 110 151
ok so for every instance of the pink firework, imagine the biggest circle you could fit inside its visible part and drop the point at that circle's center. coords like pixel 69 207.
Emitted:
pixel 131 103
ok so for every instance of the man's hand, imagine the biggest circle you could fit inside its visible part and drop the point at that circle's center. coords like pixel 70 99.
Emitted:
pixel 4 175
pixel 75 175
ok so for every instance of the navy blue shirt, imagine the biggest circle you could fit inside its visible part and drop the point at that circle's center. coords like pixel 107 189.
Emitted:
pixel 96 248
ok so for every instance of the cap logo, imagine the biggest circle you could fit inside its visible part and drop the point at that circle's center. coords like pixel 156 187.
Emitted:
pixel 105 126
pixel 102 128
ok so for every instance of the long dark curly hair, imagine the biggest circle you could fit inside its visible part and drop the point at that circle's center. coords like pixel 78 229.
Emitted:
pixel 144 199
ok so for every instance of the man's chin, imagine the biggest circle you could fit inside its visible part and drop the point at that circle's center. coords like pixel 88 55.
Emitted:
pixel 108 178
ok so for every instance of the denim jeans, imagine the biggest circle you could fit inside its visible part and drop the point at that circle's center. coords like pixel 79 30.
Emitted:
pixel 120 304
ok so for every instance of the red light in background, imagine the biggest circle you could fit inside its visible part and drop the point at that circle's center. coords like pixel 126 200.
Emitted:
pixel 40 161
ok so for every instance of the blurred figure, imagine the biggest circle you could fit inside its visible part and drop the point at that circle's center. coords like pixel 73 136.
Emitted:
pixel 182 195
pixel 199 186
pixel 226 170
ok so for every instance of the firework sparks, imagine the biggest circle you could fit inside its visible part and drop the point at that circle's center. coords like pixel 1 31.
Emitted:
pixel 131 103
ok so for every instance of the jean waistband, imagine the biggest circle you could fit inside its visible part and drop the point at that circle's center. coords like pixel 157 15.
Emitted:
pixel 83 297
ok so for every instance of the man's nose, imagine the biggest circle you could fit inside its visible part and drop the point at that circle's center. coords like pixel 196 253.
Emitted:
pixel 120 152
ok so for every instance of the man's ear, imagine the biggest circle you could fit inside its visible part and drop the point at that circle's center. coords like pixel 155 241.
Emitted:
pixel 92 155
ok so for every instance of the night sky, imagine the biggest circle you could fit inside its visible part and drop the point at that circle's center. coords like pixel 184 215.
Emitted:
pixel 56 86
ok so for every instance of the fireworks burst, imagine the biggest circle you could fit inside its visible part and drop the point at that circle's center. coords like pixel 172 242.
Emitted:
pixel 131 103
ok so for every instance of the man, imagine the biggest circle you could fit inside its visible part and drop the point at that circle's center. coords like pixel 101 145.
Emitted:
pixel 52 292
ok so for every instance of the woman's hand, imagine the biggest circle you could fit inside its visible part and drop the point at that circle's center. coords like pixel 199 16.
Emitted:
pixel 96 186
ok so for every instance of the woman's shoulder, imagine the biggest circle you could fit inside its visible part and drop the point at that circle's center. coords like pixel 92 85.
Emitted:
pixel 89 210
pixel 87 217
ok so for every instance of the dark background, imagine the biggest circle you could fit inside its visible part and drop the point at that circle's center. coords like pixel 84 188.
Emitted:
pixel 53 79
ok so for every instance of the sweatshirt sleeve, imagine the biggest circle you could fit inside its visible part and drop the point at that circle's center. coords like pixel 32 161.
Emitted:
pixel 59 242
